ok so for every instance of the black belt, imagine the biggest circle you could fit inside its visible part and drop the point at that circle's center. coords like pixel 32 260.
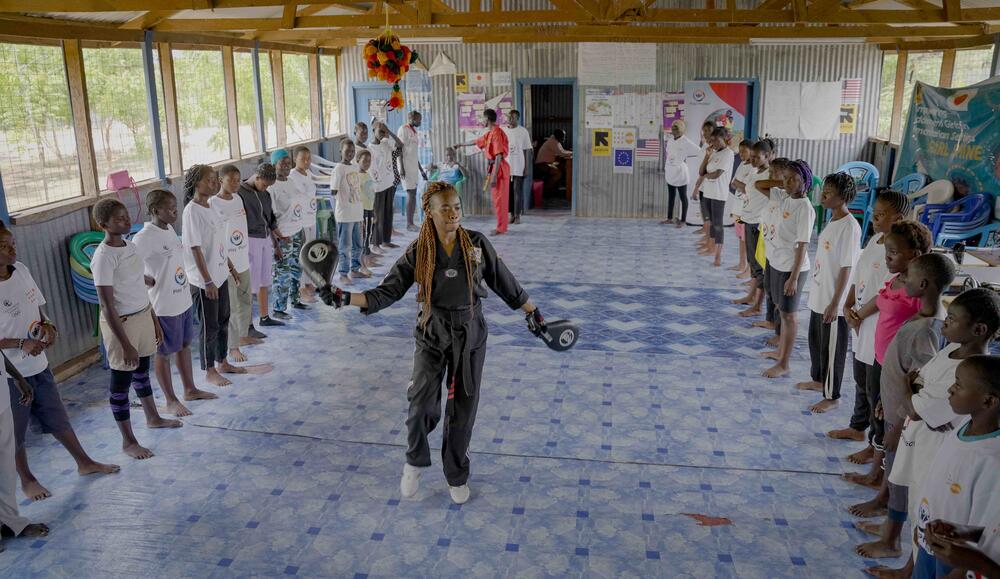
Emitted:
pixel 461 352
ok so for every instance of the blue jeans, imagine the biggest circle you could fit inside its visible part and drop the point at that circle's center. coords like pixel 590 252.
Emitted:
pixel 349 235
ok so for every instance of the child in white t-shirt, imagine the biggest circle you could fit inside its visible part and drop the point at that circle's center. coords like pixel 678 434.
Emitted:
pixel 737 200
pixel 367 186
pixel 301 176
pixel 344 186
pixel 750 215
pixel 290 204
pixel 837 253
pixel 206 261
pixel 129 326
pixel 163 258
pixel 716 173
pixel 25 334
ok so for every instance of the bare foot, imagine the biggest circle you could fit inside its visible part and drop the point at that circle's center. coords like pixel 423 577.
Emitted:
pixel 248 341
pixel 763 324
pixel 810 385
pixel 137 451
pixel 868 509
pixel 750 312
pixel 705 251
pixel 744 301
pixel 888 572
pixel 199 395
pixel 237 355
pixel 865 479
pixel 216 379
pixel 164 423
pixel 35 530
pixel 772 341
pixel 226 368
pixel 717 262
pixel 97 468
pixel 822 406
pixel 775 371
pixel 257 368
pixel 176 408
pixel 847 434
pixel 770 355
pixel 878 550
pixel 873 528
pixel 35 491
pixel 735 268
pixel 863 456
pixel 743 274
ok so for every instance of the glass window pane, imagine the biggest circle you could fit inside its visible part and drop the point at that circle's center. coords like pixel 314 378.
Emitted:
pixel 246 103
pixel 116 91
pixel 331 103
pixel 920 66
pixel 972 66
pixel 267 95
pixel 295 69
pixel 38 157
pixel 201 106
pixel 886 91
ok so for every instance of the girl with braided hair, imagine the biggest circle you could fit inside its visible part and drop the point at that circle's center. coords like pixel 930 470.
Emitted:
pixel 452 266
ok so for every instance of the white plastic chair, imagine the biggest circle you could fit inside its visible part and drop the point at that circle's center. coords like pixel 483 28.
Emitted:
pixel 937 192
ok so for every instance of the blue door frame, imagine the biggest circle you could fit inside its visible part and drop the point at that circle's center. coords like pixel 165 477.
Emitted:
pixel 753 84
pixel 354 87
pixel 561 80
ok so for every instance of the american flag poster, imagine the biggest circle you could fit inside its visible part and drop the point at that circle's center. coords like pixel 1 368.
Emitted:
pixel 850 99
pixel 648 149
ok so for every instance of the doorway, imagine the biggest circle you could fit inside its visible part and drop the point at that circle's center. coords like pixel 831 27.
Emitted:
pixel 548 105
pixel 372 100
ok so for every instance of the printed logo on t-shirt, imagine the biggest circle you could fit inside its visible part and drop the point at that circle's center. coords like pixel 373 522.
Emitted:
pixel 786 214
pixel 297 211
pixel 312 204
pixel 923 517
pixel 180 278
pixel 826 244
pixel 10 308
pixel 236 238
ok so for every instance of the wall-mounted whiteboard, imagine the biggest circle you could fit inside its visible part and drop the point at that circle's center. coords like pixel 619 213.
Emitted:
pixel 802 110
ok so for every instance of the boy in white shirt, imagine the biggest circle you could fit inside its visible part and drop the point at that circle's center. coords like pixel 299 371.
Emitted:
pixel 410 170
pixel 290 204
pixel 302 178
pixel 518 146
pixel 837 253
pixel 383 145
pixel 345 186
pixel 25 334
pixel 170 294
pixel 129 326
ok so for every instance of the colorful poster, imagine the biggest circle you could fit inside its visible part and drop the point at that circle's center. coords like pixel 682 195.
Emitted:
pixel 461 82
pixel 624 140
pixel 673 109
pixel 598 110
pixel 470 110
pixel 600 142
pixel 954 134
pixel 624 137
pixel 502 80
pixel 850 98
pixel 624 159
pixel 724 104
pixel 503 103
pixel 648 149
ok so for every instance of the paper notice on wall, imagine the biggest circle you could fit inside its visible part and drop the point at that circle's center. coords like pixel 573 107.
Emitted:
pixel 600 142
pixel 649 115
pixel 598 111
pixel 850 100
pixel 624 137
pixel 501 79
pixel 479 81
pixel 470 111
pixel 625 108
pixel 605 64
pixel 802 110
pixel 461 82
pixel 503 103
pixel 673 109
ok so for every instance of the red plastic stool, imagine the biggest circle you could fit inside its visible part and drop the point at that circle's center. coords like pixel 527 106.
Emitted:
pixel 537 188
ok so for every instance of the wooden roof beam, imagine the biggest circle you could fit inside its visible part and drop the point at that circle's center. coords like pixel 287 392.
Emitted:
pixel 288 16
pixel 148 20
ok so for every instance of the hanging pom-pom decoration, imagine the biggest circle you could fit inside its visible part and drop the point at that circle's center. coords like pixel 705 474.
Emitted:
pixel 389 60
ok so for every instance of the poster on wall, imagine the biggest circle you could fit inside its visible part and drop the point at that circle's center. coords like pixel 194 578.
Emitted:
pixel 598 110
pixel 461 82
pixel 954 134
pixel 724 104
pixel 418 98
pixel 470 114
pixel 624 159
pixel 673 109
pixel 648 115
pixel 850 98
pixel 600 142
pixel 503 103
pixel 601 64
pixel 623 140
pixel 802 110
pixel 648 149
pixel 479 81
pixel 502 79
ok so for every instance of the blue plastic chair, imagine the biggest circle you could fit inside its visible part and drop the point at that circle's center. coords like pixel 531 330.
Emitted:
pixel 971 220
pixel 910 184
pixel 865 177
pixel 964 208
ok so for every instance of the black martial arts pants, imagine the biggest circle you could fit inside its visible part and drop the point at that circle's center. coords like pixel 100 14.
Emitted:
pixel 871 375
pixel 214 317
pixel 430 367
pixel 516 196
pixel 716 216
pixel 827 367
pixel 383 215
pixel 679 191
pixel 861 417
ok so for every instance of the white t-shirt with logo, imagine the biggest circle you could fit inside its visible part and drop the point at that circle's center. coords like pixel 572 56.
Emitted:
pixel 518 140
pixel 163 257
pixel 839 246
pixel 770 215
pixel 718 188
pixel 740 198
pixel 20 319
pixel 755 202
pixel 121 268
pixel 204 227
pixel 795 222
pixel 409 157
pixel 868 277
pixel 381 169
pixel 289 204
pixel 235 214
pixel 307 186
pixel 678 152
pixel 347 183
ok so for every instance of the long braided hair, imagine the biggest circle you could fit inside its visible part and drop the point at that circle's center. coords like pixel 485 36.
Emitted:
pixel 192 177
pixel 426 243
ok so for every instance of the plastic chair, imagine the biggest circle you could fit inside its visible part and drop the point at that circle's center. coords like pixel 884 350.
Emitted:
pixel 865 177
pixel 937 192
pixel 910 183
pixel 815 196
pixel 965 208
pixel 961 219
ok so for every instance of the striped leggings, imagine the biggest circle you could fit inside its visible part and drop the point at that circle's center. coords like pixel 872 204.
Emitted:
pixel 121 380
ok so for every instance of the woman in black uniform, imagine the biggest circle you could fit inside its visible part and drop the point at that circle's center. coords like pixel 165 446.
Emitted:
pixel 450 333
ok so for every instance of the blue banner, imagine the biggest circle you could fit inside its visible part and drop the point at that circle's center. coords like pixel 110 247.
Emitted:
pixel 954 133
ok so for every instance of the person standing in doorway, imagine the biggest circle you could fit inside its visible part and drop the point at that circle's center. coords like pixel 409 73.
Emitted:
pixel 493 143
pixel 519 143
pixel 410 169
pixel 549 162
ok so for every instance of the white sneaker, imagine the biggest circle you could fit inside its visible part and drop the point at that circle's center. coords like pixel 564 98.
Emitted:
pixel 459 495
pixel 410 482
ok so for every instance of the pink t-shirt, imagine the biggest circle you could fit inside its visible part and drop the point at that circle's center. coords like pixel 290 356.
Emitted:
pixel 894 308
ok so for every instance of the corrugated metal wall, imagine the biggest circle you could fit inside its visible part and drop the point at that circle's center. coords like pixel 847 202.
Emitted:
pixel 642 194
pixel 43 247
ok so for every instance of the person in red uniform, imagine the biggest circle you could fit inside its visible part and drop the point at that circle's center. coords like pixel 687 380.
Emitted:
pixel 493 143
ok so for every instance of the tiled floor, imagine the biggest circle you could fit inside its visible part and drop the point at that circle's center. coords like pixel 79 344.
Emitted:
pixel 587 463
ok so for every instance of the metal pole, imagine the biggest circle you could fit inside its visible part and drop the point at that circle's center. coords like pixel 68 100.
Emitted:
pixel 152 106
pixel 259 94
pixel 319 79
pixel 995 67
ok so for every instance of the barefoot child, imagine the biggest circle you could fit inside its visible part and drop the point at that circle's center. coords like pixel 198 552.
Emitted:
pixel 868 277
pixel 906 241
pixel 771 187
pixel 163 257
pixel 230 207
pixel 750 216
pixel 11 521
pixel 206 262
pixel 128 323
pixel 716 172
pixel 836 254
pixel 916 342
pixel 25 334
pixel 289 203
pixel 738 201
pixel 789 259
pixel 962 481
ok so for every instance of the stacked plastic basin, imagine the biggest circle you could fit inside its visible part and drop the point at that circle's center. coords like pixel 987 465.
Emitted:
pixel 81 251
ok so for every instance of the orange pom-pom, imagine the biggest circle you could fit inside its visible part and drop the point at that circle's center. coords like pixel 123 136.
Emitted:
pixel 372 73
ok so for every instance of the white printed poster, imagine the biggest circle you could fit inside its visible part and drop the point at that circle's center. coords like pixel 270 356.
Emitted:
pixel 501 79
pixel 649 113
pixel 599 108
pixel 479 81
pixel 604 64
